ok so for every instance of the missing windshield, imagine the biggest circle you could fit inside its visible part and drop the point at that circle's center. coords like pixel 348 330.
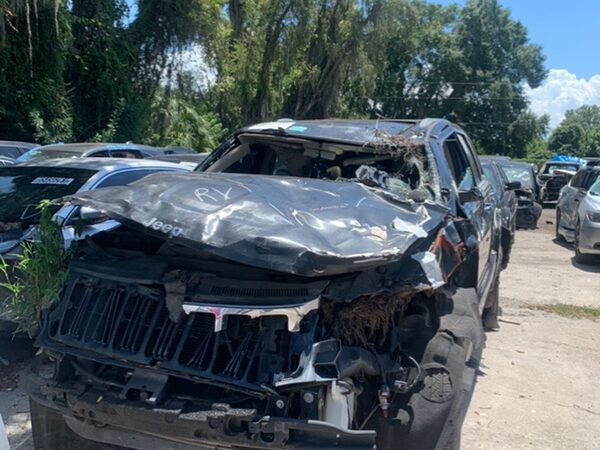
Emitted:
pixel 393 163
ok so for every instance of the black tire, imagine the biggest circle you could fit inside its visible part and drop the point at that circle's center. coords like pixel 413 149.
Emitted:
pixel 50 432
pixel 559 237
pixel 431 416
pixel 492 307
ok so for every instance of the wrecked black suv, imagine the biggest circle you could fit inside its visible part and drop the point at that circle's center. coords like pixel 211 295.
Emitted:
pixel 316 284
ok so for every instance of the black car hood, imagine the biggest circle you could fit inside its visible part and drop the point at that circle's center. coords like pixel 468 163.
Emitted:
pixel 302 226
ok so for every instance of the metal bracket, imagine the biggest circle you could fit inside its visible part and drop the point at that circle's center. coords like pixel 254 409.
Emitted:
pixel 150 385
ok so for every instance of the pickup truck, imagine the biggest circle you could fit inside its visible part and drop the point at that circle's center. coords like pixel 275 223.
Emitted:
pixel 314 284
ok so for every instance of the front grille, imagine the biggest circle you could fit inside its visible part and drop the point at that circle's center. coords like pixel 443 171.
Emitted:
pixel 131 323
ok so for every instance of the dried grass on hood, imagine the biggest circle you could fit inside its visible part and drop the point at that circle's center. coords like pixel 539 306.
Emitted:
pixel 367 320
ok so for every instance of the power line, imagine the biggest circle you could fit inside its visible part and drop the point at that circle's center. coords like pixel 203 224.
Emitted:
pixel 410 97
pixel 461 83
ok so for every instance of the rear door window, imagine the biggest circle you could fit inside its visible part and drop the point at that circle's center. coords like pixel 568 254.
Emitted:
pixel 100 154
pixel 578 179
pixel 459 163
pixel 590 179
pixel 10 151
pixel 130 154
pixel 491 175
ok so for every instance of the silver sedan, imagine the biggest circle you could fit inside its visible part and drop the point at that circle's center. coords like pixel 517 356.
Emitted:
pixel 587 235
pixel 578 216
pixel 578 213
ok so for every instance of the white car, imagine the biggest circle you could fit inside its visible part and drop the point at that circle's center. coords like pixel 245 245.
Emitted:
pixel 587 235
pixel 578 213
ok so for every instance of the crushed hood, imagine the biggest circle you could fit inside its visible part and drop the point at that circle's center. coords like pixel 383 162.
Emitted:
pixel 302 226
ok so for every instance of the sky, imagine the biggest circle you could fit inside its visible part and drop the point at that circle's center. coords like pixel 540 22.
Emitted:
pixel 569 32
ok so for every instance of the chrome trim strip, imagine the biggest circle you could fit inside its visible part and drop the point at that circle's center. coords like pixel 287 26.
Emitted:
pixel 294 313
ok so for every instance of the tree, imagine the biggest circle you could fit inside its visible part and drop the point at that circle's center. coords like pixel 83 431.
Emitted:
pixel 86 70
pixel 100 64
pixel 567 138
pixel 497 58
pixel 579 132
pixel 467 65
pixel 336 50
pixel 258 56
pixel 34 36
pixel 420 57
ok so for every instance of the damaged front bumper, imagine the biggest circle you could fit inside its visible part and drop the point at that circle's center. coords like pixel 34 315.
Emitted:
pixel 100 416
pixel 528 214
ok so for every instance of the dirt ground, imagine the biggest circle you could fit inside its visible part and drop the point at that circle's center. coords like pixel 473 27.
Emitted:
pixel 539 386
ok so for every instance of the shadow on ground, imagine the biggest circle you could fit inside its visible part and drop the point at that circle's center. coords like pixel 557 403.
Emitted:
pixel 593 266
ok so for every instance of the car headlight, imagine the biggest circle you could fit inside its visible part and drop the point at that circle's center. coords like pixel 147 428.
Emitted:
pixel 593 216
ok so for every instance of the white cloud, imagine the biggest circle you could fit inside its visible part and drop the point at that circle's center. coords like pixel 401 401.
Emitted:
pixel 562 91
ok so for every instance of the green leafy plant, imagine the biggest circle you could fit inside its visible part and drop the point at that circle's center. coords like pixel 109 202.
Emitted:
pixel 34 281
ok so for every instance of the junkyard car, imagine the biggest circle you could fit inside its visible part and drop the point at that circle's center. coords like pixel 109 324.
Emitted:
pixel 529 209
pixel 552 178
pixel 96 150
pixel 592 161
pixel 14 149
pixel 506 200
pixel 578 213
pixel 23 187
pixel 318 284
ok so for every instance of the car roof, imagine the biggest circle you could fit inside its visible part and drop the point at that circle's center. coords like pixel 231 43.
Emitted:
pixel 563 163
pixel 83 147
pixel 181 157
pixel 512 163
pixel 494 158
pixel 592 161
pixel 341 130
pixel 28 145
pixel 177 150
pixel 589 169
pixel 103 163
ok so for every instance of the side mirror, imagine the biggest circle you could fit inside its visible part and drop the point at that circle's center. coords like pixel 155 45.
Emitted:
pixel 472 195
pixel 90 215
pixel 512 185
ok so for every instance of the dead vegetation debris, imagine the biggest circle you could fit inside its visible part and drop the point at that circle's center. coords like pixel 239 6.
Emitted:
pixel 388 143
pixel 366 320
